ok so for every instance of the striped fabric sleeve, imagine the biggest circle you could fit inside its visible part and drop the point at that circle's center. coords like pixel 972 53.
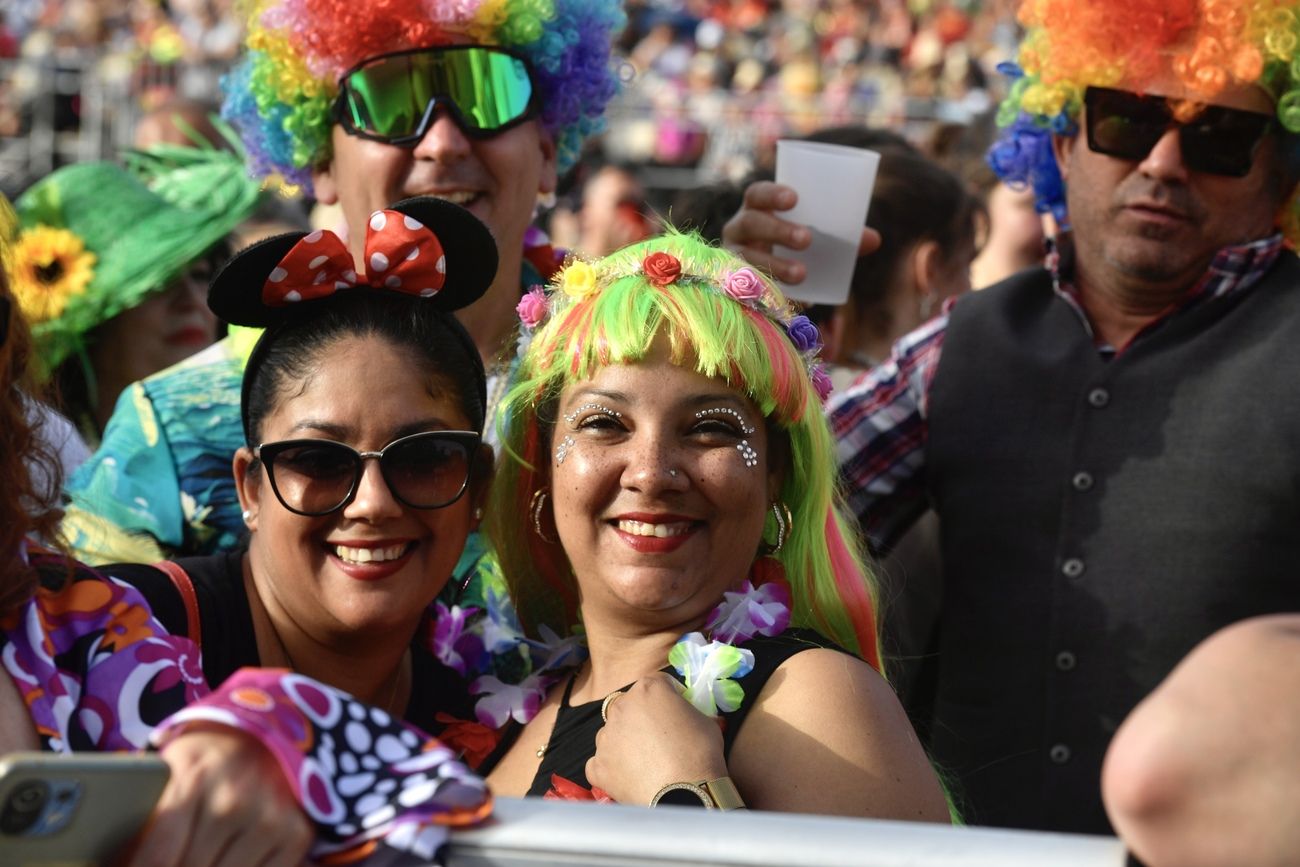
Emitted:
pixel 880 428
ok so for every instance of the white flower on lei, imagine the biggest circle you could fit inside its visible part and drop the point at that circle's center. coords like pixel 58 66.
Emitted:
pixel 552 652
pixel 706 668
pixel 502 701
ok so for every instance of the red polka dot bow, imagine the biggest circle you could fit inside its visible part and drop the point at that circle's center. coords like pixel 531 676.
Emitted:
pixel 402 254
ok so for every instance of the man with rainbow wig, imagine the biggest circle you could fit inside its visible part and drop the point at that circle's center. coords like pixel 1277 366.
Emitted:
pixel 1112 441
pixel 481 102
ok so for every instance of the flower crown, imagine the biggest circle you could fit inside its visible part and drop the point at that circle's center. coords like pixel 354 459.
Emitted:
pixel 580 280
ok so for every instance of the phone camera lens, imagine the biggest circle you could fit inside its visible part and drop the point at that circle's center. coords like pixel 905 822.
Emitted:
pixel 23 806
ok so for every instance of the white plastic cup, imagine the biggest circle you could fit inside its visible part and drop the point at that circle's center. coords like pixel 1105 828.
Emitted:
pixel 834 184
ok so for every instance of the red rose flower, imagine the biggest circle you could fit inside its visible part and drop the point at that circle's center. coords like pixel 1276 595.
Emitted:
pixel 661 268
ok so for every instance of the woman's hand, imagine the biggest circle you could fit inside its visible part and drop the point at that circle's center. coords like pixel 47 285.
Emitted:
pixel 652 737
pixel 227 804
pixel 755 228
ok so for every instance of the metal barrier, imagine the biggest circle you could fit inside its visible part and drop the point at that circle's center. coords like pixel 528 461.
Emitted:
pixel 539 833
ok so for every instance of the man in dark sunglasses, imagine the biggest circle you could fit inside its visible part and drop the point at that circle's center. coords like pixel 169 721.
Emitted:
pixel 384 102
pixel 1112 441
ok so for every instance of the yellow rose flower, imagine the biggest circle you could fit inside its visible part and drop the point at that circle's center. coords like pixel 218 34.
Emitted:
pixel 50 266
pixel 579 281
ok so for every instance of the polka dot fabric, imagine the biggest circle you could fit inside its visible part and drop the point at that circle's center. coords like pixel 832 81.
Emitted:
pixel 423 247
pixel 402 254
pixel 360 774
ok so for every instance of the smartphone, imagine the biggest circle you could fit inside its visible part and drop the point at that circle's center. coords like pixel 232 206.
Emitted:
pixel 78 810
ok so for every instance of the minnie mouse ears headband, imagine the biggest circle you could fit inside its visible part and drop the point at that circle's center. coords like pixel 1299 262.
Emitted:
pixel 422 247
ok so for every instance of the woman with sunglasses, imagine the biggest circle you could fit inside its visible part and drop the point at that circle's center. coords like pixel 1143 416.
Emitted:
pixel 669 451
pixel 260 771
pixel 363 472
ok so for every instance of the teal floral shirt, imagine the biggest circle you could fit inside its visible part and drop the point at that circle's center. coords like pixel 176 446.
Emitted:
pixel 160 484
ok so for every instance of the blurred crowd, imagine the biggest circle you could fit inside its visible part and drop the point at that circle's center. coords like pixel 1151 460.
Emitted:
pixel 711 84
pixel 718 82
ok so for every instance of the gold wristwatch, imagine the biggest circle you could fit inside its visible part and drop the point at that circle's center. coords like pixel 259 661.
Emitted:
pixel 719 794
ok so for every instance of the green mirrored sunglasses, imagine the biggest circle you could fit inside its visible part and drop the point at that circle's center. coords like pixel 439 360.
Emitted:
pixel 392 98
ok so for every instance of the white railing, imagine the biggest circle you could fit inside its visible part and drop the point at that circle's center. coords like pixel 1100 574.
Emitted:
pixel 539 833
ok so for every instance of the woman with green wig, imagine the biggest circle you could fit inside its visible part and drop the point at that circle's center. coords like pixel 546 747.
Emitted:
pixel 668 494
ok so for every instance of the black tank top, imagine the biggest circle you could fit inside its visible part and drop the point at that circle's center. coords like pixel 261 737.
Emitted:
pixel 573 738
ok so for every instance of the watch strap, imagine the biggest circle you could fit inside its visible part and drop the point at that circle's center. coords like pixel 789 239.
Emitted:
pixel 719 794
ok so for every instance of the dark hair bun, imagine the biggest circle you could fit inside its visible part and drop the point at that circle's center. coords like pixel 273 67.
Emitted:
pixel 438 251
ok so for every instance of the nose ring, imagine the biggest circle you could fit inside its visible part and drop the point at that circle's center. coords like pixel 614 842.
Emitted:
pixel 672 473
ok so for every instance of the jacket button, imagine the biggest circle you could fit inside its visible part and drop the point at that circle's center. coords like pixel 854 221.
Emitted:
pixel 1072 568
pixel 1065 661
pixel 1082 481
pixel 1099 397
pixel 1059 754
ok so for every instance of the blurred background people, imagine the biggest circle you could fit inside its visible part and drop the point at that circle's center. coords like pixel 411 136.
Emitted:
pixel 113 276
pixel 610 212
pixel 1011 236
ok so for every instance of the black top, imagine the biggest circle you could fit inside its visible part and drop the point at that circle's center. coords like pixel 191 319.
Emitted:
pixel 229 643
pixel 573 738
pixel 1099 517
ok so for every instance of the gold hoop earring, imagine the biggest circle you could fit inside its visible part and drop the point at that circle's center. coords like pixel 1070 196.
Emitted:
pixel 536 506
pixel 784 521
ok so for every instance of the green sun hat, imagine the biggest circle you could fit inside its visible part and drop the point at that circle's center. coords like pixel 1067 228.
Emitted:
pixel 92 240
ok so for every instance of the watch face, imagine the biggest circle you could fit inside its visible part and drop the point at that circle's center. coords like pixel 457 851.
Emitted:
pixel 684 797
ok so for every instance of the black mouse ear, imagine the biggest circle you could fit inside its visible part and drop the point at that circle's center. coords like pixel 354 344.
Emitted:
pixel 467 244
pixel 235 293
pixel 263 284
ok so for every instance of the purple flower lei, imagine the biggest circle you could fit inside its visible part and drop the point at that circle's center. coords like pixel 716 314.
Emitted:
pixel 708 666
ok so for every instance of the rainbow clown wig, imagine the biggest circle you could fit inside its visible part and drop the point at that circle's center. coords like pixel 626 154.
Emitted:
pixel 1206 44
pixel 724 320
pixel 279 96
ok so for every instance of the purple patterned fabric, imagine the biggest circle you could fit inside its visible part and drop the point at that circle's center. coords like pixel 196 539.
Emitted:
pixel 98 672
pixel 360 774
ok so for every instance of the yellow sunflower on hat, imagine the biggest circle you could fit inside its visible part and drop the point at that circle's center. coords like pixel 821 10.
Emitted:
pixel 50 266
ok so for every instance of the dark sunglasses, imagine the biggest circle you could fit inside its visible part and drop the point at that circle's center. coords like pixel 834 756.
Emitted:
pixel 392 98
pixel 424 471
pixel 1217 141
pixel 6 307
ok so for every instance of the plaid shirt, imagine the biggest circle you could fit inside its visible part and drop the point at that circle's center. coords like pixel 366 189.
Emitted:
pixel 880 422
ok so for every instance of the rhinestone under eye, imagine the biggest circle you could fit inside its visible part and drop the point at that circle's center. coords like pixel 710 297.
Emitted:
pixel 572 417
pixel 747 453
pixel 726 410
pixel 562 450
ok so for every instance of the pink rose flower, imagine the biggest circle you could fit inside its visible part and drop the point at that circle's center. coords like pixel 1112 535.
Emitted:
pixel 532 307
pixel 743 285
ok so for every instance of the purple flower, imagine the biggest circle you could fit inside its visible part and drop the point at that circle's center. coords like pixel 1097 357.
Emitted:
pixel 803 334
pixel 452 644
pixel 822 382
pixel 750 611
